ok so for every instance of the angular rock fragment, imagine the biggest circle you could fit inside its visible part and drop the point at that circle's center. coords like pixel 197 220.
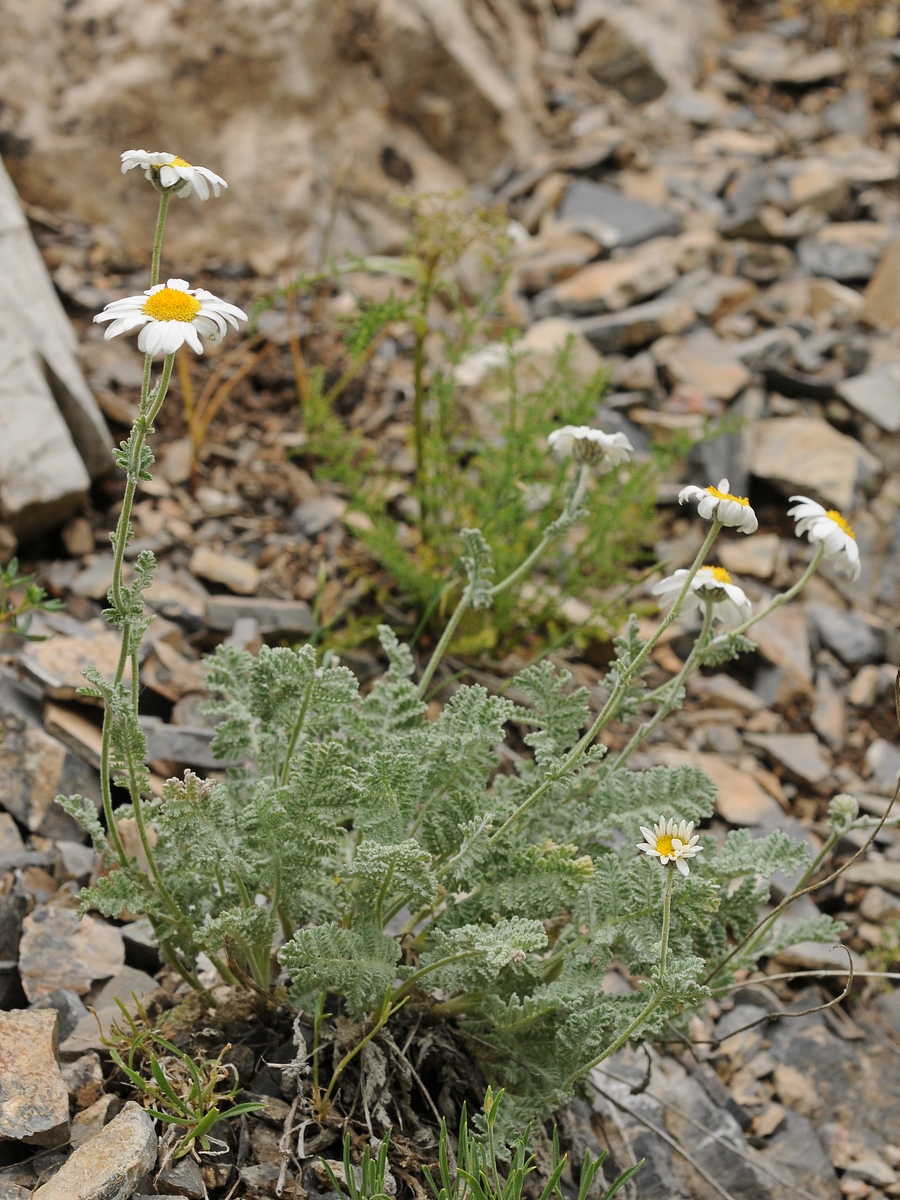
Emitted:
pixel 59 950
pixel 34 1103
pixel 876 394
pixel 111 1165
pixel 289 618
pixel 808 456
pixel 612 218
pixel 799 753
pixel 635 327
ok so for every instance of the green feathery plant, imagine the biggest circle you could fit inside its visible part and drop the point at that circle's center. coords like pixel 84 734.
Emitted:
pixel 464 477
pixel 398 866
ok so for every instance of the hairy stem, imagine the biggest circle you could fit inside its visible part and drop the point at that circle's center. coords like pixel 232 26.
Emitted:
pixel 164 199
pixel 670 699
pixel 610 708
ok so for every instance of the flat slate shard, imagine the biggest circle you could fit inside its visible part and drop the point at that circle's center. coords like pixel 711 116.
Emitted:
pixel 612 218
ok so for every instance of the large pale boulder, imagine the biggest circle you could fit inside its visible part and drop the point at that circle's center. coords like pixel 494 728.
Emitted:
pixel 299 104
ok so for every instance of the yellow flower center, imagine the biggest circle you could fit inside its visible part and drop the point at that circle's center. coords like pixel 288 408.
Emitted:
pixel 178 162
pixel 840 522
pixel 720 575
pixel 713 491
pixel 170 304
pixel 664 845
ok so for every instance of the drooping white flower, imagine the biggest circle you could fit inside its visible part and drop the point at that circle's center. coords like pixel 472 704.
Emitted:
pixel 601 451
pixel 718 502
pixel 171 314
pixel 711 584
pixel 169 171
pixel 671 842
pixel 827 528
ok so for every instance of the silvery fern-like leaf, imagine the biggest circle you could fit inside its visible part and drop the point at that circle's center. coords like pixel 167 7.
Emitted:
pixel 476 954
pixel 359 963
pixel 478 560
pixel 402 868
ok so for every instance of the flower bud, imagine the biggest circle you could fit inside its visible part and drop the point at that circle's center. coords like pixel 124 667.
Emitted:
pixel 842 812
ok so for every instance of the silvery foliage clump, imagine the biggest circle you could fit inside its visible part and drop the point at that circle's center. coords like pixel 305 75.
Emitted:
pixel 385 850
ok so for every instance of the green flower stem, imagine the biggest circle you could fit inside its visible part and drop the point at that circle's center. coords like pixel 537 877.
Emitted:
pixel 670 697
pixel 151 403
pixel 295 732
pixel 407 986
pixel 779 600
pixel 611 706
pixel 388 1008
pixel 652 1004
pixel 572 505
pixel 667 918
pixel 439 650
pixel 137 803
pixel 164 199
pixel 636 1025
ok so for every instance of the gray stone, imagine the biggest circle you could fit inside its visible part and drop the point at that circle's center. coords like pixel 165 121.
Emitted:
pixel 613 219
pixel 800 753
pixel 848 251
pixel 30 766
pixel 68 1006
pixel 829 714
pixel 111 1165
pixel 88 1123
pixel 853 639
pixel 885 874
pixel 635 327
pixel 851 113
pixel 58 950
pixel 182 1178
pixel 762 57
pixel 795 1151
pixel 876 394
pixel 180 744
pixel 615 60
pixel 883 764
pixel 312 517
pixel 285 618
pixel 34 1104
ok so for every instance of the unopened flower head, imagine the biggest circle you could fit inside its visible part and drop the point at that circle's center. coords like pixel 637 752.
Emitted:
pixel 167 172
pixel 711 585
pixel 170 315
pixel 719 503
pixel 826 527
pixel 842 812
pixel 601 451
pixel 671 842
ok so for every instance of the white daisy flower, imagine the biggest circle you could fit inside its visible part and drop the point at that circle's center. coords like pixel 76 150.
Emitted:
pixel 168 171
pixel 671 843
pixel 602 451
pixel 711 584
pixel 718 502
pixel 171 314
pixel 827 528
